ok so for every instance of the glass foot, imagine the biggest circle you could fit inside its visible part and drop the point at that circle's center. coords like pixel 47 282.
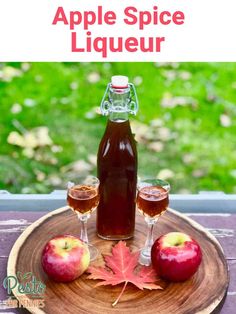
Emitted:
pixel 93 252
pixel 145 256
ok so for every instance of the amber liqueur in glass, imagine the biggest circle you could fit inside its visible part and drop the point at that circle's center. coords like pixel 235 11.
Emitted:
pixel 82 198
pixel 117 169
pixel 152 201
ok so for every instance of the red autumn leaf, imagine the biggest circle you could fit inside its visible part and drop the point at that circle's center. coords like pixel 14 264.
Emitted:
pixel 122 266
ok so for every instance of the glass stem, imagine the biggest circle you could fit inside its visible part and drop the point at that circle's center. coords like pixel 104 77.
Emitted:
pixel 83 232
pixel 149 240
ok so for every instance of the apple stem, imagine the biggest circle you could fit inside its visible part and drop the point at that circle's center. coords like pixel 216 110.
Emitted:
pixel 119 296
pixel 66 246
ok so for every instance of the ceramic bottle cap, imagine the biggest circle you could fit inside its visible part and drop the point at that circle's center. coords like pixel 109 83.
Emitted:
pixel 119 81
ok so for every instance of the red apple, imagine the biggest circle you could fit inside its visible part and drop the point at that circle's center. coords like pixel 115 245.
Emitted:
pixel 176 256
pixel 65 258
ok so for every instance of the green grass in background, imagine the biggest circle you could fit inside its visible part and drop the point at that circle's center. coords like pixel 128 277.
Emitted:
pixel 191 142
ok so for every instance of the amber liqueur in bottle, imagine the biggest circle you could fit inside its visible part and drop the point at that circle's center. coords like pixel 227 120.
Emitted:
pixel 117 163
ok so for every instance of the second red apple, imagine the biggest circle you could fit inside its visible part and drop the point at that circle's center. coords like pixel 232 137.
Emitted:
pixel 176 256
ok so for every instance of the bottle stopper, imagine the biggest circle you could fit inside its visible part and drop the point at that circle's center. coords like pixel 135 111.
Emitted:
pixel 119 81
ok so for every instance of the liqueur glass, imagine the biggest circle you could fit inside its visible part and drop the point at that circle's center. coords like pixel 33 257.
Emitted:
pixel 152 201
pixel 83 199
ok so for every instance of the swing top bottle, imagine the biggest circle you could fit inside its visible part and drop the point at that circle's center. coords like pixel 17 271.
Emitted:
pixel 117 163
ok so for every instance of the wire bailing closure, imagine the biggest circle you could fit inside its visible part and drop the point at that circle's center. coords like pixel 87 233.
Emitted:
pixel 131 105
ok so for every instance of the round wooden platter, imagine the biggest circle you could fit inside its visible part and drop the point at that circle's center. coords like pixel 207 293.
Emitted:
pixel 203 293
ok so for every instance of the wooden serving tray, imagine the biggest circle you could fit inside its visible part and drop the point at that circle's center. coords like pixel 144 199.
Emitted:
pixel 203 293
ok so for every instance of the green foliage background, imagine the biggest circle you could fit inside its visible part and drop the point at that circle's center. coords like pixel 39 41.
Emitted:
pixel 195 103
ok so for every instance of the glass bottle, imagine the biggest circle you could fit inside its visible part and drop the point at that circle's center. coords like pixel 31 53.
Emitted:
pixel 117 163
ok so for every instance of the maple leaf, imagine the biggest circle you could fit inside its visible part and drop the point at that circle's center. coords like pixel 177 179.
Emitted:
pixel 122 266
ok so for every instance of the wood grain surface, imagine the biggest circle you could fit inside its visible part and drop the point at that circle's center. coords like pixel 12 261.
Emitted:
pixel 203 293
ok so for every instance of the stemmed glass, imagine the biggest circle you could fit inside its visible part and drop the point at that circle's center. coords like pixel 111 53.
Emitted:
pixel 152 201
pixel 83 198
